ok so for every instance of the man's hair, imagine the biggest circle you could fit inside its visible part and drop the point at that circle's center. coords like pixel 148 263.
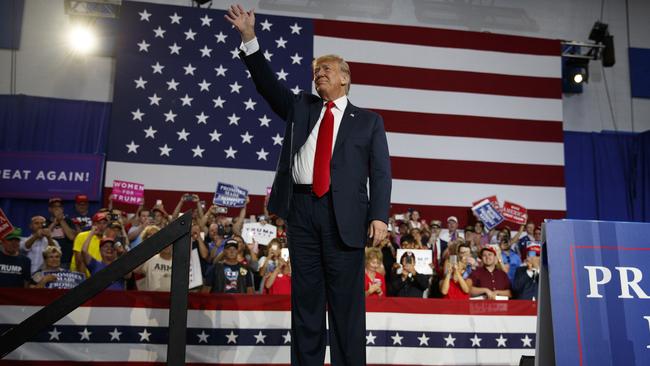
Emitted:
pixel 276 241
pixel 342 65
pixel 462 245
pixel 408 238
pixel 51 249
pixel 373 253
pixel 149 231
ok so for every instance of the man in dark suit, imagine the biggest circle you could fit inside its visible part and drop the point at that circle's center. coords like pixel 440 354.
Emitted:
pixel 332 152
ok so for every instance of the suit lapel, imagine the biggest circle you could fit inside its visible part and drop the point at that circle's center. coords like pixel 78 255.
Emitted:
pixel 347 124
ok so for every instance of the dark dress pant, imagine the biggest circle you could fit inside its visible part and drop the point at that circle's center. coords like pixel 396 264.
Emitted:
pixel 324 271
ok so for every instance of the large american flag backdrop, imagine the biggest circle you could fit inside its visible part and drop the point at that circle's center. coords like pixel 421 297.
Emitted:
pixel 254 329
pixel 467 114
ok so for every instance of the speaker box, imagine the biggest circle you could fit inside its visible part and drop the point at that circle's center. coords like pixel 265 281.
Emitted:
pixel 609 58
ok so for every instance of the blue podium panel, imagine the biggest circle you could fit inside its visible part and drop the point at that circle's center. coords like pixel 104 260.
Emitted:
pixel 599 274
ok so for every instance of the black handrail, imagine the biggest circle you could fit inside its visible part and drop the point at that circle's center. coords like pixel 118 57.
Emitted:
pixel 177 233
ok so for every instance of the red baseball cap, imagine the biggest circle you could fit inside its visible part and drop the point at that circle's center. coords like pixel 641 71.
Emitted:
pixel 535 247
pixel 107 239
pixel 488 248
pixel 55 200
pixel 99 216
pixel 81 198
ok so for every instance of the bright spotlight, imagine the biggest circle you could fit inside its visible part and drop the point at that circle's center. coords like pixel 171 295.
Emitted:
pixel 82 39
pixel 577 78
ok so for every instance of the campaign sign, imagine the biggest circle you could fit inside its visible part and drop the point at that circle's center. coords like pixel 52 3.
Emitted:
pixel 423 259
pixel 44 175
pixel 64 279
pixel 262 234
pixel 196 276
pixel 599 282
pixel 128 192
pixel 229 195
pixel 486 212
pixel 493 200
pixel 514 213
pixel 5 225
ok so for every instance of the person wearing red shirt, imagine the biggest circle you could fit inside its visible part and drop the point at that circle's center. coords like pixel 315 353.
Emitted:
pixel 375 281
pixel 278 282
pixel 490 280
pixel 454 285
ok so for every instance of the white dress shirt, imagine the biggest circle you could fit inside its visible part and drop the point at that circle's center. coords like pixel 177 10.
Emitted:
pixel 303 167
pixel 35 252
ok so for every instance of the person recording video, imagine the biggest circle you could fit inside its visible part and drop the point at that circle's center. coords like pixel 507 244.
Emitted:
pixel 410 283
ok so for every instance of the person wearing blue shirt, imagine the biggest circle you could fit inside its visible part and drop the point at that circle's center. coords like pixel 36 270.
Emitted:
pixel 511 260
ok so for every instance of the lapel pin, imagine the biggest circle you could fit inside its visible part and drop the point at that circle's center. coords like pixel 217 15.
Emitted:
pixel 351 114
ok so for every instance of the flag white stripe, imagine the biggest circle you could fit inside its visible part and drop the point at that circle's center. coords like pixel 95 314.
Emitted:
pixel 187 178
pixel 455 103
pixel 450 323
pixel 463 194
pixel 475 149
pixel 404 191
pixel 441 58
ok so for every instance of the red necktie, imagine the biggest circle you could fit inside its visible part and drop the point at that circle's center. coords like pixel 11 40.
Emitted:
pixel 323 155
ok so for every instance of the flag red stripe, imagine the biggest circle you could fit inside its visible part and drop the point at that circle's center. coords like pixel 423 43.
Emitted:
pixel 465 216
pixel 437 37
pixel 477 172
pixel 199 301
pixel 471 126
pixel 455 81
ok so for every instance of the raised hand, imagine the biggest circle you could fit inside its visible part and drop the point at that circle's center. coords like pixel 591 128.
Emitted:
pixel 243 20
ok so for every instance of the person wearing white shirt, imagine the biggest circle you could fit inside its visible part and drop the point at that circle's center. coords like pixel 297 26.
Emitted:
pixel 40 239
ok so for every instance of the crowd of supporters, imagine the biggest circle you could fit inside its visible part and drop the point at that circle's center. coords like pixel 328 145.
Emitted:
pixel 63 249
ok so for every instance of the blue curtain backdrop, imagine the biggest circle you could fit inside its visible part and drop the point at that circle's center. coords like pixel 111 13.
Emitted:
pixel 607 174
pixel 49 125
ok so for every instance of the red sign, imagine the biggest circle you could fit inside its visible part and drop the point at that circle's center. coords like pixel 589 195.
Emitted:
pixel 514 213
pixel 5 225
pixel 493 200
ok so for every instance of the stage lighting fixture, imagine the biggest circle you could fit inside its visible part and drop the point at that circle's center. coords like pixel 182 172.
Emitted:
pixel 578 77
pixel 82 39
pixel 575 72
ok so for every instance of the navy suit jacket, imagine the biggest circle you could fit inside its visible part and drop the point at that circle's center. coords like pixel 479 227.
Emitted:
pixel 360 155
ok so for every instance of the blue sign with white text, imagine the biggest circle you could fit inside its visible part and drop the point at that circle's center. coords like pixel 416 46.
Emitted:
pixel 228 195
pixel 599 276
pixel 486 212
pixel 44 175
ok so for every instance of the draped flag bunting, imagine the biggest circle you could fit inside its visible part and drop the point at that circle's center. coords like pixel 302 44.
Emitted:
pixel 254 329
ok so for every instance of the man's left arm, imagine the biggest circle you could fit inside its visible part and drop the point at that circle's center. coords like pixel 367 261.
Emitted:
pixel 380 182
pixel 506 292
pixel 69 232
